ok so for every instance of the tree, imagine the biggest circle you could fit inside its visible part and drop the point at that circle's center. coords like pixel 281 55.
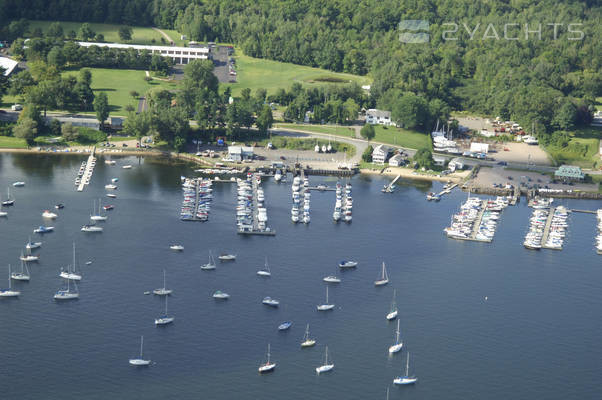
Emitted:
pixel 565 117
pixel 26 129
pixel 55 30
pixel 55 127
pixel 85 76
pixel 424 158
pixel 134 94
pixel 137 125
pixel 85 32
pixel 264 119
pixel 367 154
pixel 367 132
pixel 125 33
pixel 129 108
pixel 351 109
pixel 56 57
pixel 411 111
pixel 69 132
pixel 99 37
pixel 101 106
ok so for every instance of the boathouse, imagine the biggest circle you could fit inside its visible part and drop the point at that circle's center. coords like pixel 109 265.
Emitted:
pixel 569 173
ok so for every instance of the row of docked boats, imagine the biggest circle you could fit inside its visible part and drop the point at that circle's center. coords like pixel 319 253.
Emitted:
pixel 599 236
pixel 300 190
pixel 244 208
pixel 85 171
pixel 476 211
pixel 343 205
pixel 197 199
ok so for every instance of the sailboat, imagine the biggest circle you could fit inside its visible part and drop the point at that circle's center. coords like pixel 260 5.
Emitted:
pixel 211 264
pixel 325 367
pixel 406 379
pixel 398 345
pixel 9 292
pixel 384 278
pixel 307 342
pixel 164 319
pixel 21 276
pixel 9 201
pixel 32 245
pixel 71 275
pixel 266 269
pixel 29 257
pixel 267 366
pixel 139 362
pixel 326 306
pixel 68 294
pixel 393 313
pixel 162 291
pixel 99 216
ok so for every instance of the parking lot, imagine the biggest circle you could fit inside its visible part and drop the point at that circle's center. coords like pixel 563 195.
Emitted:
pixel 490 176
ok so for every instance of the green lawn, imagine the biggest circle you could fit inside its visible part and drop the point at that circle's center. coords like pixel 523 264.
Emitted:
pixel 599 103
pixel 7 142
pixel 327 129
pixel 140 35
pixel 118 83
pixel 582 150
pixel 401 137
pixel 255 73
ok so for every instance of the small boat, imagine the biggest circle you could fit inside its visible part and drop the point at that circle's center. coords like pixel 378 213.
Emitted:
pixel 43 229
pixel 147 292
pixel 91 228
pixel 325 367
pixel 164 319
pixel 110 162
pixel 210 265
pixel 162 291
pixel 326 306
pixel 19 184
pixel 266 269
pixel 67 294
pixel 108 207
pixel 307 341
pixel 112 195
pixel 219 295
pixel 227 257
pixel 9 201
pixel 267 366
pixel 111 187
pixel 347 264
pixel 140 361
pixel 48 214
pixel 395 348
pixel 29 257
pixel 332 279
pixel 32 245
pixel 71 275
pixel 285 326
pixel 115 180
pixel 21 276
pixel 59 206
pixel 393 313
pixel 127 167
pixel 88 262
pixel 99 216
pixel 3 214
pixel 268 301
pixel 383 279
pixel 405 379
pixel 176 247
pixel 9 292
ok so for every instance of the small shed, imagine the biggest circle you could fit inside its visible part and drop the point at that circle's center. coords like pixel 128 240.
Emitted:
pixel 479 147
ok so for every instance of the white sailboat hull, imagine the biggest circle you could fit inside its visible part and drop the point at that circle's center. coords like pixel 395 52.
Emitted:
pixel 9 293
pixel 325 307
pixel 264 273
pixel 266 368
pixel 17 276
pixel 381 282
pixel 139 362
pixel 324 368
pixel 71 276
pixel 404 380
pixel 332 279
pixel 98 218
pixel 164 320
pixel 66 296
pixel 308 343
pixel 207 267
pixel 396 348
pixel 392 315
pixel 162 292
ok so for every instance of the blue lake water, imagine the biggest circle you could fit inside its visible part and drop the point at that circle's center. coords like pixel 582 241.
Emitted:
pixel 537 335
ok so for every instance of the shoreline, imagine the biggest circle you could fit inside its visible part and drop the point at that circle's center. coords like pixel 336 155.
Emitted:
pixel 411 174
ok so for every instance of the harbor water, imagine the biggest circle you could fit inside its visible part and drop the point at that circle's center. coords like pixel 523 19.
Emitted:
pixel 480 320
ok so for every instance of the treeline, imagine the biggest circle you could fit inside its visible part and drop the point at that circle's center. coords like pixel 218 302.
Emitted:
pixel 550 78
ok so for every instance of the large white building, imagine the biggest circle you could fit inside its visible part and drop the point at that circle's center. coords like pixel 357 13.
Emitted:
pixel 378 117
pixel 180 55
pixel 380 154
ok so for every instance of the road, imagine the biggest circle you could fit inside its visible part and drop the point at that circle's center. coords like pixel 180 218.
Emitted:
pixel 165 35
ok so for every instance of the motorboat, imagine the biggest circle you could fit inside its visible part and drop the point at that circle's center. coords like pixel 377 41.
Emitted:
pixel 59 206
pixel 176 247
pixel 49 215
pixel 332 279
pixel 111 187
pixel 108 207
pixel 268 301
pixel 127 167
pixel 112 195
pixel 285 326
pixel 347 264
pixel 32 245
pixel 43 229
pixel 91 228
pixel 219 295
pixel 227 257
pixel 19 184
pixel 110 162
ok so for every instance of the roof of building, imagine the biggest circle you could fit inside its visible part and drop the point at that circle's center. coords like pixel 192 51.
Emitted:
pixel 8 64
pixel 381 148
pixel 439 158
pixel 378 113
pixel 144 47
pixel 234 149
pixel 569 171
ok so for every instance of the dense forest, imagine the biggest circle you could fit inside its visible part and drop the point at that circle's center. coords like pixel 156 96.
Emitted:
pixel 551 79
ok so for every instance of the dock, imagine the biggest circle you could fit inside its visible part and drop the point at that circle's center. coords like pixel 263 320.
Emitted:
pixel 85 178
pixel 321 189
pixel 447 190
pixel 546 231
pixel 255 228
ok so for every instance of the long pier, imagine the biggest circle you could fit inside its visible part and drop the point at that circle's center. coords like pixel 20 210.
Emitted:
pixel 255 230
pixel 85 179
pixel 546 231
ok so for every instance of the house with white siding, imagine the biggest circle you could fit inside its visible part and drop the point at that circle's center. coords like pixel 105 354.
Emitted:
pixel 378 117
pixel 380 154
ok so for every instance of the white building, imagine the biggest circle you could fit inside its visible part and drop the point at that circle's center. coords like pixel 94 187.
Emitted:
pixel 180 55
pixel 396 160
pixel 380 154
pixel 479 147
pixel 239 153
pixel 438 160
pixel 8 64
pixel 456 164
pixel 378 117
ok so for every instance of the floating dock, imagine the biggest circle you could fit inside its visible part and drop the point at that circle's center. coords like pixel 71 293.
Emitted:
pixel 255 228
pixel 546 231
pixel 85 178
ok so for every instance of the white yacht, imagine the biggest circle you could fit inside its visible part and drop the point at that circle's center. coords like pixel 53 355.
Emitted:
pixel 9 292
pixel 110 186
pixel 307 341
pixel 227 257
pixel 383 279
pixel 69 274
pixel 19 184
pixel 49 214
pixel 210 265
pixel 395 348
pixel 393 312
pixel 268 301
pixel 140 361
pixel 326 306
pixel 162 291
pixel 98 216
pixel 43 229
pixel 326 366
pixel 67 294
pixel 164 319
pixel 176 247
pixel 21 276
pixel 277 176
pixel 127 167
pixel 29 257
pixel 219 295
pixel 268 366
pixel 347 264
pixel 32 245
pixel 9 200
pixel 91 228
pixel 266 269
pixel 405 379
pixel 332 279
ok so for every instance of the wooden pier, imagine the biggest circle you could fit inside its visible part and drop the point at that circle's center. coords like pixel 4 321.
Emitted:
pixel 321 189
pixel 85 178
pixel 255 224
pixel 475 227
pixel 546 231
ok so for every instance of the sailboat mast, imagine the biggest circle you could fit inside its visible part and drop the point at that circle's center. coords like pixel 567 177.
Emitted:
pixel 268 353
pixel 408 364
pixel 326 294
pixel 326 356
pixel 141 344
pixel 9 287
pixel 397 338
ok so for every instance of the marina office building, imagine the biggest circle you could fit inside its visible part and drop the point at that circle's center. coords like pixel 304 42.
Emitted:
pixel 180 55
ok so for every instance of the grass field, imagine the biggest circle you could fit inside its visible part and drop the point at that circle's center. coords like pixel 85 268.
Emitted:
pixel 140 34
pixel 7 142
pixel 256 73
pixel 582 149
pixel 327 129
pixel 118 83
pixel 401 137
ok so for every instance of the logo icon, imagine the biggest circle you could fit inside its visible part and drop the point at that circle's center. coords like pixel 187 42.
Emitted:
pixel 413 31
